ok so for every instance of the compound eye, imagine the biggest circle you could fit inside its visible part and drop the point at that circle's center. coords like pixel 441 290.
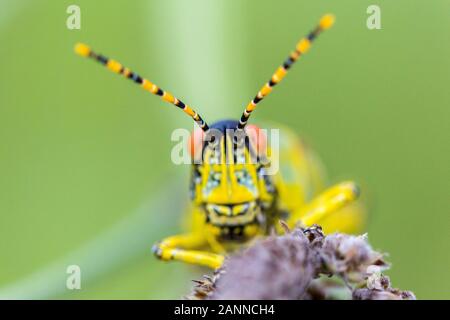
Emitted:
pixel 257 138
pixel 242 176
pixel 216 176
pixel 196 143
pixel 268 183
pixel 239 176
pixel 244 179
pixel 212 182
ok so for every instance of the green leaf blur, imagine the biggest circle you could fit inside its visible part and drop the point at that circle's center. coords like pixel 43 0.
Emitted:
pixel 85 170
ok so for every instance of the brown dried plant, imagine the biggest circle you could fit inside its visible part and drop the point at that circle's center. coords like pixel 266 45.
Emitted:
pixel 302 264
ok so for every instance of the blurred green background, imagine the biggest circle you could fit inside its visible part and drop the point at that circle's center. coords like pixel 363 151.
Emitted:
pixel 85 170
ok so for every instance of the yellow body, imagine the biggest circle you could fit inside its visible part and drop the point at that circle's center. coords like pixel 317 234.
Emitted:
pixel 302 199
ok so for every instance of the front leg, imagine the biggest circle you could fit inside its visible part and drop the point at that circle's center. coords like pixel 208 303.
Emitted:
pixel 327 203
pixel 179 247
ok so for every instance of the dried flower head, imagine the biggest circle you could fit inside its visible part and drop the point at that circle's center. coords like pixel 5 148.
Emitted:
pixel 302 264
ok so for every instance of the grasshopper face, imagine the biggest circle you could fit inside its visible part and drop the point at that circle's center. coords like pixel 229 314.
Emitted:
pixel 230 181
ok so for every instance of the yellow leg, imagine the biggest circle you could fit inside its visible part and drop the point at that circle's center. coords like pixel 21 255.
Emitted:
pixel 351 219
pixel 327 203
pixel 177 248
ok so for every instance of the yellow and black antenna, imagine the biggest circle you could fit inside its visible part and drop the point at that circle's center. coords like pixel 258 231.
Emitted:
pixel 84 51
pixel 302 47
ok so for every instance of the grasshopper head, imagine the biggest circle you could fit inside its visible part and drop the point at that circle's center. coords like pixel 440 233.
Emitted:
pixel 228 177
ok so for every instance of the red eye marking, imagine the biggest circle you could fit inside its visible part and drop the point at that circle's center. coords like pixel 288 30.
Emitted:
pixel 196 142
pixel 257 137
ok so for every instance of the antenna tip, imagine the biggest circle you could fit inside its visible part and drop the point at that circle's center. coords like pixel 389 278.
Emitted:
pixel 82 49
pixel 327 21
